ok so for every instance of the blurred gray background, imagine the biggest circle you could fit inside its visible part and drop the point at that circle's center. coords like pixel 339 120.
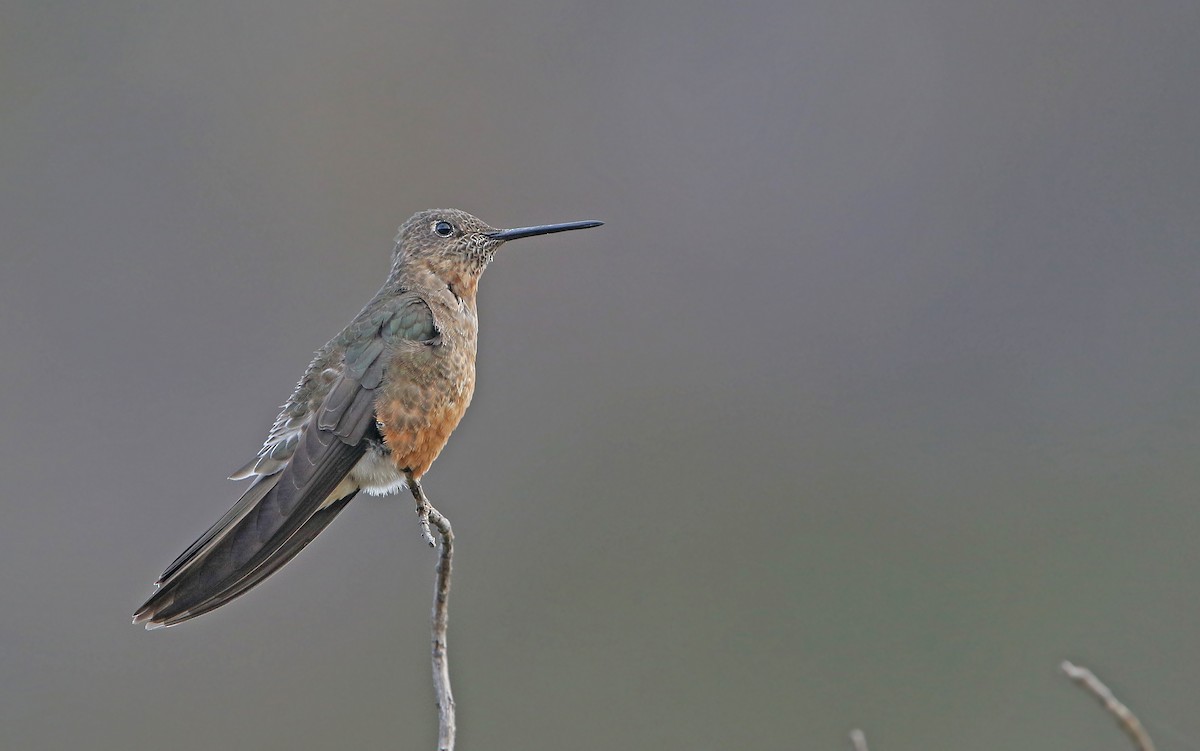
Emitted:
pixel 876 397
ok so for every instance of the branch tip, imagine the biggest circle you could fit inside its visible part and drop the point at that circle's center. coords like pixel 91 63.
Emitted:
pixel 1125 717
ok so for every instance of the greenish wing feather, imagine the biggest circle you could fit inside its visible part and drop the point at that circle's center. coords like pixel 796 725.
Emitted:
pixel 408 318
pixel 411 320
pixel 349 409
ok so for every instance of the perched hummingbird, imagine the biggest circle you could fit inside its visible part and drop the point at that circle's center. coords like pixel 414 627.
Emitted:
pixel 371 413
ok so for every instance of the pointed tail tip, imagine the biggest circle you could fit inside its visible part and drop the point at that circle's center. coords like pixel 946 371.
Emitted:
pixel 146 615
pixel 141 616
pixel 147 619
pixel 156 613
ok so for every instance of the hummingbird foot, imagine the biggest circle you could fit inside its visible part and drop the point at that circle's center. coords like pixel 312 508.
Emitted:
pixel 424 508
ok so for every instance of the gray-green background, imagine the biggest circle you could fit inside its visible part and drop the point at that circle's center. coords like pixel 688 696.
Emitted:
pixel 876 397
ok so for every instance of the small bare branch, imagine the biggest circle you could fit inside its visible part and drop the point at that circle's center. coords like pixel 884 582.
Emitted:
pixel 858 739
pixel 1125 718
pixel 441 614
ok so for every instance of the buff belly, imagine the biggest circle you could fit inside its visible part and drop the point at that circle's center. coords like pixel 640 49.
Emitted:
pixel 415 443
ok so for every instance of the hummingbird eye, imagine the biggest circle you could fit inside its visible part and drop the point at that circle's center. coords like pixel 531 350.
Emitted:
pixel 443 229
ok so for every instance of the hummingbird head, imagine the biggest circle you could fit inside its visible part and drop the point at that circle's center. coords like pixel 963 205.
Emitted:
pixel 457 246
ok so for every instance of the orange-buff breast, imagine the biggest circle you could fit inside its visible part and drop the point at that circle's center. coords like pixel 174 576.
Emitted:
pixel 417 436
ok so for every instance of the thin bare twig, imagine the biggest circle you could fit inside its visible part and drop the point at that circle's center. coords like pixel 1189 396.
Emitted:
pixel 441 614
pixel 1125 718
pixel 858 739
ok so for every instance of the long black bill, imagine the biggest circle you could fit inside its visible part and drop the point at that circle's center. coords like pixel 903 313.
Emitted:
pixel 541 229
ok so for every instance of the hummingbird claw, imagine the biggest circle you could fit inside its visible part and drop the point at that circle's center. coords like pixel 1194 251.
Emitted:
pixel 424 507
pixel 423 510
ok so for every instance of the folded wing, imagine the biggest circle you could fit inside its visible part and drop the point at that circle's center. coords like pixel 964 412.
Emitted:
pixel 302 473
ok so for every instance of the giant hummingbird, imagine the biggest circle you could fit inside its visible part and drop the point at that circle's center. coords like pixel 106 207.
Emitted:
pixel 372 412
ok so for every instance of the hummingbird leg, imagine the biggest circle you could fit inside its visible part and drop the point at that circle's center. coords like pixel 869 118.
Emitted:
pixel 424 507
pixel 441 610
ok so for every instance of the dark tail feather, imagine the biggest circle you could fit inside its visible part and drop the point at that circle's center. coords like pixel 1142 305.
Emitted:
pixel 169 616
pixel 260 538
pixel 253 495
